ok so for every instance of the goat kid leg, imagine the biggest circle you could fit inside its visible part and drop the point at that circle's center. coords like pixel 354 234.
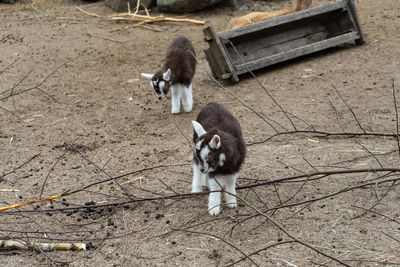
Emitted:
pixel 198 178
pixel 214 199
pixel 176 99
pixel 187 98
pixel 230 190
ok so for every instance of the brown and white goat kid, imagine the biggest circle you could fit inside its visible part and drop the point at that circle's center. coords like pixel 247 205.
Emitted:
pixel 176 74
pixel 218 155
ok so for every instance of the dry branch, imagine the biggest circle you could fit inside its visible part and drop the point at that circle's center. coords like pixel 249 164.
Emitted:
pixel 37 86
pixel 290 235
pixel 13 244
pixel 265 89
pixel 32 202
pixel 140 19
pixel 350 109
pixel 220 238
pixel 20 166
pixel 191 195
pixel 397 115
pixel 238 99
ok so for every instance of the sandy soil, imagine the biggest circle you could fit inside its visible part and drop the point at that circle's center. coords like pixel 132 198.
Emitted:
pixel 85 102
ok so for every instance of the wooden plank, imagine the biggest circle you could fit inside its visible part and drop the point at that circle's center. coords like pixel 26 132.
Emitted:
pixel 300 51
pixel 287 37
pixel 292 18
pixel 217 57
pixel 273 42
pixel 354 17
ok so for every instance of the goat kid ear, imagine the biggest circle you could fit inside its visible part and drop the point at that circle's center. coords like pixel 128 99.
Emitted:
pixel 215 142
pixel 147 75
pixel 167 75
pixel 198 128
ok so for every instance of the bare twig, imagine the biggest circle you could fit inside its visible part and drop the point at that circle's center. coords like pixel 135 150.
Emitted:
pixel 140 19
pixel 337 114
pixel 183 134
pixel 52 167
pixel 9 66
pixel 103 171
pixel 379 199
pixel 397 115
pixel 237 98
pixel 16 85
pixel 324 134
pixel 370 152
pixel 398 240
pixel 220 238
pixel 265 89
pixel 372 211
pixel 351 110
pixel 41 82
pixel 296 239
pixel 11 112
pixel 20 166
pixel 262 249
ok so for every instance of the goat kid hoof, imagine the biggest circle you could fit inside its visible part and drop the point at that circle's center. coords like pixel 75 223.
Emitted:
pixel 187 109
pixel 214 211
pixel 232 205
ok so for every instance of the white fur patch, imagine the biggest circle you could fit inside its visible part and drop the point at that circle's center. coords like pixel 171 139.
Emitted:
pixel 215 142
pixel 161 85
pixel 167 75
pixel 147 75
pixel 198 128
pixel 204 157
pixel 198 145
pixel 222 159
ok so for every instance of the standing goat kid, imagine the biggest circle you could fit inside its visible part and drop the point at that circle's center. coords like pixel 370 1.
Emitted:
pixel 218 155
pixel 176 73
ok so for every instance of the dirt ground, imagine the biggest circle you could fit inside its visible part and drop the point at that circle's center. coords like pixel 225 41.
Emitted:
pixel 86 102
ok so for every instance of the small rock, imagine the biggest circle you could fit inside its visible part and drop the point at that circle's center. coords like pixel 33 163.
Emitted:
pixel 158 215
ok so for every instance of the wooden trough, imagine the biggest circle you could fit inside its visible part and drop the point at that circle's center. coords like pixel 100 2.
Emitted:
pixel 251 47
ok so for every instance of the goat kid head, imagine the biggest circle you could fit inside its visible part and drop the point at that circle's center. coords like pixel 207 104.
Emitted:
pixel 160 82
pixel 208 151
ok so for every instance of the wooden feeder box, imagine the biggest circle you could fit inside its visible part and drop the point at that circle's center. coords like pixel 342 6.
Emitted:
pixel 251 47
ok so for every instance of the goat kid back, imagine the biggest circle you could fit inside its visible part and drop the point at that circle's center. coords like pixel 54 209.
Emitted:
pixel 176 74
pixel 218 155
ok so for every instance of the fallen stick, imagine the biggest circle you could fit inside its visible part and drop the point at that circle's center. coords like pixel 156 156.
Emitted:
pixel 32 202
pixel 140 18
pixel 13 245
